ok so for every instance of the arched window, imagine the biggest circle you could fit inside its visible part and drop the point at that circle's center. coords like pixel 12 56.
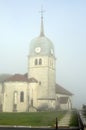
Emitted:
pixel 40 61
pixel 15 98
pixel 36 61
pixel 22 96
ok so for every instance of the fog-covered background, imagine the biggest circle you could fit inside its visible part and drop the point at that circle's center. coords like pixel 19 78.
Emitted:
pixel 64 24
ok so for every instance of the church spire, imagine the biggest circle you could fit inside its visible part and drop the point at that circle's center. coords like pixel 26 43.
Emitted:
pixel 42 27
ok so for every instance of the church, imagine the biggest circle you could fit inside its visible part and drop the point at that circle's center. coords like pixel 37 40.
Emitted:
pixel 36 90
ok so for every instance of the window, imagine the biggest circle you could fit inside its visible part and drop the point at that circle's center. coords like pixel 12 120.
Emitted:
pixel 40 61
pixel 36 61
pixel 22 96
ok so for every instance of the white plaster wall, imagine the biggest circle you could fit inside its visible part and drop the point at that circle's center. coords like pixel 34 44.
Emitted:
pixel 68 105
pixel 10 87
pixel 43 104
pixel 33 94
pixel 32 61
pixel 64 106
pixel 45 74
pixel 0 87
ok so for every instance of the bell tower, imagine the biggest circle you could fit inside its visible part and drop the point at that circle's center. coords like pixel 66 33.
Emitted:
pixel 42 67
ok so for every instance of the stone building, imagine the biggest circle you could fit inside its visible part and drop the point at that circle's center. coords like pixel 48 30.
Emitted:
pixel 37 90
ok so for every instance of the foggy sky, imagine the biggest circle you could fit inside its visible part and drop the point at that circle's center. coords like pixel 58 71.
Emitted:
pixel 64 25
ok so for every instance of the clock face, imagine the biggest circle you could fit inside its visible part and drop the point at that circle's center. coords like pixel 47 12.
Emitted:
pixel 37 49
pixel 51 51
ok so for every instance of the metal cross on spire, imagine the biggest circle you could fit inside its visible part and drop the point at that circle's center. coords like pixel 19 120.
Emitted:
pixel 42 11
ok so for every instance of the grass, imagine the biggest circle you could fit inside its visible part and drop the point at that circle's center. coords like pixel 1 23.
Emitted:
pixel 30 119
pixel 74 119
pixel 84 113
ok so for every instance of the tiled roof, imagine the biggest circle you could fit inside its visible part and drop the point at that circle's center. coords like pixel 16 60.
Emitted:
pixel 24 78
pixel 20 78
pixel 17 77
pixel 26 74
pixel 4 77
pixel 61 90
pixel 63 100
